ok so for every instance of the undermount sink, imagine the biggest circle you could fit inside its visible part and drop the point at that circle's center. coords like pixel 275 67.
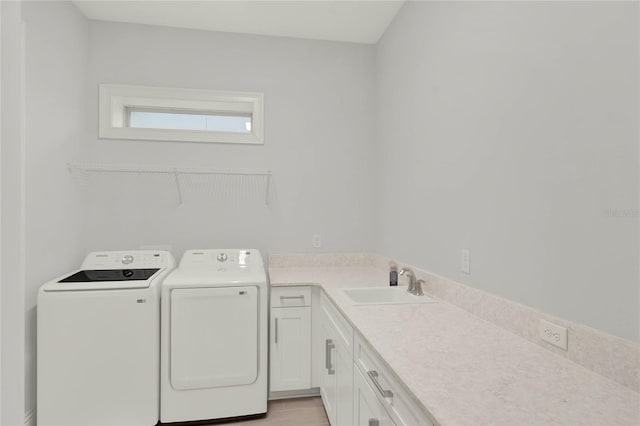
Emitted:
pixel 383 296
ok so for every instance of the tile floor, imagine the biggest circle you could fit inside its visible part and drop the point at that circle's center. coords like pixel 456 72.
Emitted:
pixel 290 412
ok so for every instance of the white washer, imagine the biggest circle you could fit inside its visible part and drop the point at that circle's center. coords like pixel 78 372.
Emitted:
pixel 214 336
pixel 99 341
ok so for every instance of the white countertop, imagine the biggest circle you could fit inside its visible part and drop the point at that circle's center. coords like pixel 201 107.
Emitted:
pixel 466 371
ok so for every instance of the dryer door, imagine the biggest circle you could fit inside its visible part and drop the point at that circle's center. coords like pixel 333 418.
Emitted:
pixel 214 337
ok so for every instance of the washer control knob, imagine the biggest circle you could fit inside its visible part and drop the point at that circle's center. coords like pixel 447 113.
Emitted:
pixel 127 259
pixel 222 257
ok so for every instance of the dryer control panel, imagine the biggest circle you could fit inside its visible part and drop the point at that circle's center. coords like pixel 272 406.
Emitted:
pixel 227 258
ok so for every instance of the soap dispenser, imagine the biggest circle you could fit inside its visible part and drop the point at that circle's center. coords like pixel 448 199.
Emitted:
pixel 393 274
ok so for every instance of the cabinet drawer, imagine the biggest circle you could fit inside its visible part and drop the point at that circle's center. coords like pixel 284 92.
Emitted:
pixel 340 324
pixel 367 410
pixel 394 398
pixel 284 297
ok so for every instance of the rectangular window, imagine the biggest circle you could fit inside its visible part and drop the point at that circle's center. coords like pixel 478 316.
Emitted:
pixel 147 118
pixel 166 114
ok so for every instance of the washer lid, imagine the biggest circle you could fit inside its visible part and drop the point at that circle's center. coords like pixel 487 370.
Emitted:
pixel 101 275
pixel 104 279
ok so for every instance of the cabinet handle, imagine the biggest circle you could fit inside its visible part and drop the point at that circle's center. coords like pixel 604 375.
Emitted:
pixel 292 297
pixel 328 346
pixel 276 330
pixel 373 375
pixel 374 422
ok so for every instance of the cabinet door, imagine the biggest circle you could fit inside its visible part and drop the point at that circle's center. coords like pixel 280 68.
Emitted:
pixel 328 376
pixel 290 348
pixel 336 380
pixel 367 410
pixel 343 361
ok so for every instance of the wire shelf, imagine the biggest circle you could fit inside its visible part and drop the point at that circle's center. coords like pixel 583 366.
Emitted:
pixel 190 185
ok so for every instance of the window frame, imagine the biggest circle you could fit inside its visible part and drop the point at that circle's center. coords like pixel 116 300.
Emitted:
pixel 116 100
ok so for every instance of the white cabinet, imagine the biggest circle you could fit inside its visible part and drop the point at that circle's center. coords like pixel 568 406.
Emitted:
pixel 291 349
pixel 336 380
pixel 290 346
pixel 389 391
pixel 367 410
pixel 356 386
pixel 328 377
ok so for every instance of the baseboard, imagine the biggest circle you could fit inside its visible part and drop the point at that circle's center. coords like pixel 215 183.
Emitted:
pixel 30 418
pixel 294 394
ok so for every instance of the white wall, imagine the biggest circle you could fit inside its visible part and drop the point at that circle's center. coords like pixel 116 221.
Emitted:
pixel 56 61
pixel 319 140
pixel 12 402
pixel 511 129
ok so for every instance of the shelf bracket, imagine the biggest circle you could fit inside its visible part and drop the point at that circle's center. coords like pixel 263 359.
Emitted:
pixel 266 197
pixel 177 179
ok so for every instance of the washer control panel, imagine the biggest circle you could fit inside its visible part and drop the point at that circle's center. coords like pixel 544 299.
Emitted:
pixel 131 259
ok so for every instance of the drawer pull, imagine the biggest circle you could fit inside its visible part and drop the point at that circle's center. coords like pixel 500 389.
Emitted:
pixel 292 297
pixel 328 346
pixel 374 422
pixel 373 375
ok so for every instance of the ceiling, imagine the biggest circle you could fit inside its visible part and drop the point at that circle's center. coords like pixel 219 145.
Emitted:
pixel 360 21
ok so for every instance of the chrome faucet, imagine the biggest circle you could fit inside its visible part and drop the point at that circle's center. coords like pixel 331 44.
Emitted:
pixel 415 287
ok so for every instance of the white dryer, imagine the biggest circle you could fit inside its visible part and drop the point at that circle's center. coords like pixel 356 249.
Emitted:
pixel 214 336
pixel 99 341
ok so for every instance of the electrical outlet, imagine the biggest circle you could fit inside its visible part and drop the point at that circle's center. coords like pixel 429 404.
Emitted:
pixel 464 261
pixel 552 333
pixel 317 241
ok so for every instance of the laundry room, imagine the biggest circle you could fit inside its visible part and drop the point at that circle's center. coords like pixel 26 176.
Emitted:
pixel 483 155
